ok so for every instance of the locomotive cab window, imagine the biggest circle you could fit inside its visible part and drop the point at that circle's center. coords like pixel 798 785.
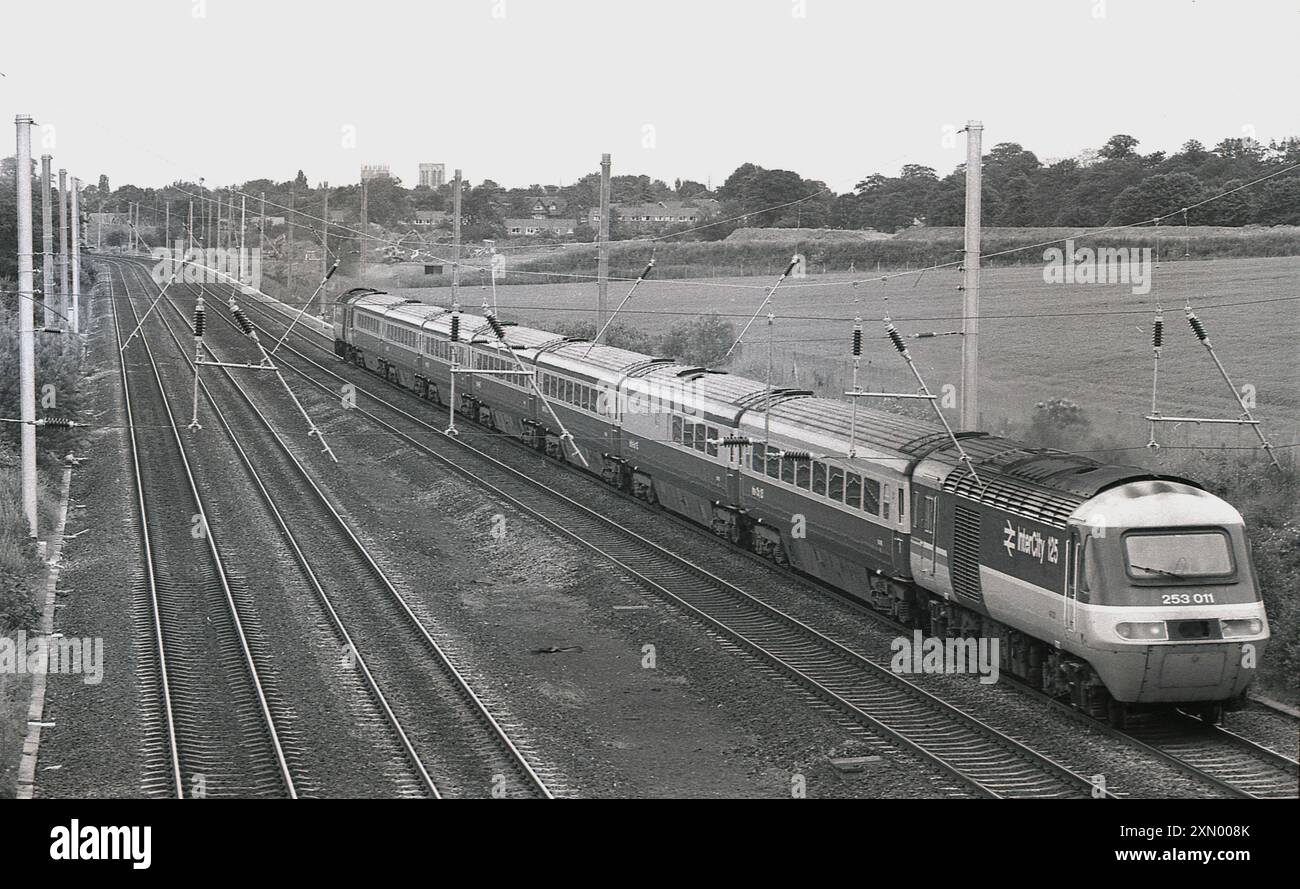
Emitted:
pixel 758 454
pixel 712 449
pixel 803 474
pixel 1178 556
pixel 774 465
pixel 677 429
pixel 1087 572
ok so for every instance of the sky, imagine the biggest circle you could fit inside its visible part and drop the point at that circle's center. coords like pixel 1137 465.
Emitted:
pixel 533 91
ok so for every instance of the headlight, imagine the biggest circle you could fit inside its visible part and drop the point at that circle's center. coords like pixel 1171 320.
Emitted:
pixel 1146 630
pixel 1246 626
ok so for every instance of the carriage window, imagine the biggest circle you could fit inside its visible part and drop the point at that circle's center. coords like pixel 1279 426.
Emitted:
pixel 835 490
pixel 712 449
pixel 568 391
pixel 853 490
pixel 677 429
pixel 774 464
pixel 819 478
pixel 871 496
pixel 803 474
pixel 787 471
pixel 701 436
pixel 902 504
pixel 757 457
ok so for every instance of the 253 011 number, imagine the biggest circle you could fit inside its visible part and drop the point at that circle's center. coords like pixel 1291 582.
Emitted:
pixel 1187 599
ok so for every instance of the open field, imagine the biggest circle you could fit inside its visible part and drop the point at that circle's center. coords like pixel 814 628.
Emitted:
pixel 1088 343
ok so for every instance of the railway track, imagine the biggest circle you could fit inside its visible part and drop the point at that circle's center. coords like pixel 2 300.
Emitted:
pixel 451 738
pixel 1235 764
pixel 210 722
pixel 985 761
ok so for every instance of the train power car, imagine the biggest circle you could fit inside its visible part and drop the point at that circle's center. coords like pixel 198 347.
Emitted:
pixel 1110 585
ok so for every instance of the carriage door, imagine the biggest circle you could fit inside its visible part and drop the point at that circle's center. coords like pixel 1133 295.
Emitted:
pixel 1072 553
pixel 928 522
pixel 736 456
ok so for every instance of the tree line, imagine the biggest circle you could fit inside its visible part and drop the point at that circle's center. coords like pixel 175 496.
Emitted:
pixel 1112 185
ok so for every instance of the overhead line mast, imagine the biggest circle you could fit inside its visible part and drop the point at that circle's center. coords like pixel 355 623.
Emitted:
pixel 970 306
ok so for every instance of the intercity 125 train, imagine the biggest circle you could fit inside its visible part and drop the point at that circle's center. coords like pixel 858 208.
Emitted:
pixel 1110 585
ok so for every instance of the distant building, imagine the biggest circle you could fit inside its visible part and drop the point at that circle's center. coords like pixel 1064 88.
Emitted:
pixel 374 171
pixel 340 216
pixel 109 218
pixel 433 175
pixel 523 227
pixel 428 218
pixel 546 205
pixel 660 213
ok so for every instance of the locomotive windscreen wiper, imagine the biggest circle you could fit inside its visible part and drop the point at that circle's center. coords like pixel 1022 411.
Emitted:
pixel 1158 571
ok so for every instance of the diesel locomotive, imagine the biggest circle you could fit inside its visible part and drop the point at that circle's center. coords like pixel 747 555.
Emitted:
pixel 1109 585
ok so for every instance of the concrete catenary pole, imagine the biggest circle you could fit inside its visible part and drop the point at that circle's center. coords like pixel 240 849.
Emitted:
pixel 455 239
pixel 970 310
pixel 75 213
pixel 365 228
pixel 243 221
pixel 293 224
pixel 602 256
pixel 324 243
pixel 48 292
pixel 63 242
pixel 26 320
